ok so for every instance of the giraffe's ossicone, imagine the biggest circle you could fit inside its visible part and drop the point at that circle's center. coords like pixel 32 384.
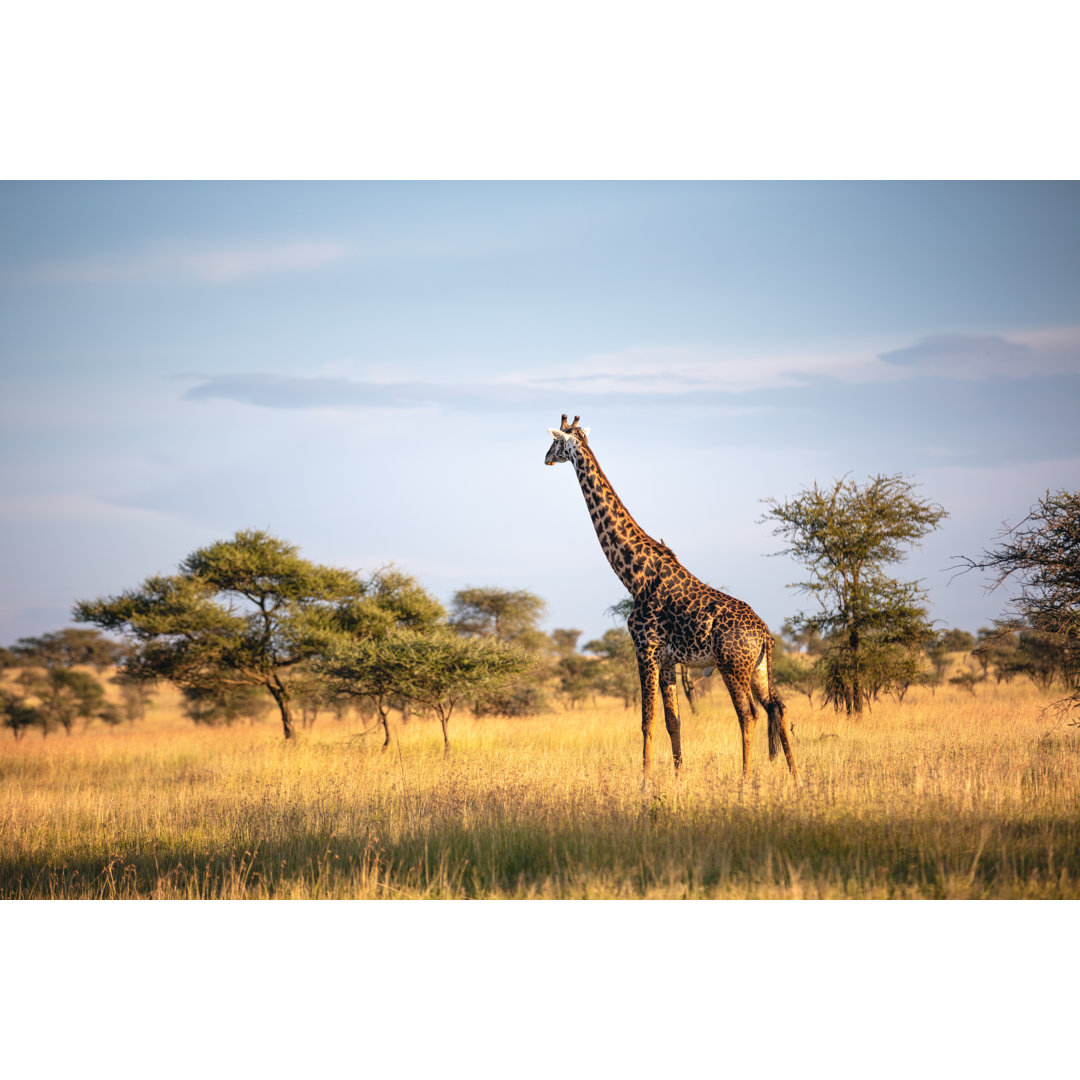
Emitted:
pixel 677 618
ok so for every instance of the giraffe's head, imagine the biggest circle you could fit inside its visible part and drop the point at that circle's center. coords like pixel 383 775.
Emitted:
pixel 566 437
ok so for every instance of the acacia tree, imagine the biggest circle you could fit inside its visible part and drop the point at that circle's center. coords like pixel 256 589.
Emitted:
pixel 240 612
pixel 845 535
pixel 65 696
pixel 1041 555
pixel 392 603
pixel 509 615
pixel 136 688
pixel 576 672
pixel 18 714
pixel 797 673
pixel 69 647
pixel 618 670
pixel 433 670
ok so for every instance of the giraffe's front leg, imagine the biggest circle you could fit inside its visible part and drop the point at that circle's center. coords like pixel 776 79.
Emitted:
pixel 650 678
pixel 671 713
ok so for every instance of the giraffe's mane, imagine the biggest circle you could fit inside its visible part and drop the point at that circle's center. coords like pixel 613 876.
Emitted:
pixel 658 545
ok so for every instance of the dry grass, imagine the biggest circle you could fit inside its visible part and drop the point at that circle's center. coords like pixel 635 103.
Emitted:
pixel 946 796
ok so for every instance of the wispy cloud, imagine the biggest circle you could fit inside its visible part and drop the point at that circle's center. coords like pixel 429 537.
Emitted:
pixel 233 264
pixel 211 265
pixel 982 356
pixel 677 371
pixel 335 392
pixel 960 356
pixel 687 369
pixel 69 507
pixel 331 392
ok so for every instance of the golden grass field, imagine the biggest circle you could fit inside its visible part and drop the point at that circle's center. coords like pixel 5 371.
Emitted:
pixel 945 796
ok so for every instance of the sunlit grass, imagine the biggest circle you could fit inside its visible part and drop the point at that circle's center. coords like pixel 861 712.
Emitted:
pixel 945 796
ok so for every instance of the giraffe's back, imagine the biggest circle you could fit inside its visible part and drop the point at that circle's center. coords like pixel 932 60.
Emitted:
pixel 701 626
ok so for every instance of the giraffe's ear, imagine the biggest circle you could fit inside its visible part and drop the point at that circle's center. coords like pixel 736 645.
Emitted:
pixel 556 433
pixel 584 431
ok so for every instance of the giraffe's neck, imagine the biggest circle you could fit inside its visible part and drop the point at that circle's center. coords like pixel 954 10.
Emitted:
pixel 633 554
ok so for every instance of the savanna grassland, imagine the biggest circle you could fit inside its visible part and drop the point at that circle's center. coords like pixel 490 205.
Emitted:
pixel 949 795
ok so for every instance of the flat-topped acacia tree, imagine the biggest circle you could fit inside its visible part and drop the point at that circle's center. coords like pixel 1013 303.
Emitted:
pixel 240 612
pixel 433 670
pixel 393 604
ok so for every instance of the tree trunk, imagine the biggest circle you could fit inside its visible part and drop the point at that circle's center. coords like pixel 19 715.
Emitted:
pixel 856 683
pixel 281 696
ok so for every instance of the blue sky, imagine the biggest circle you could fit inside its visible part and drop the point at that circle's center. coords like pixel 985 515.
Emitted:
pixel 368 370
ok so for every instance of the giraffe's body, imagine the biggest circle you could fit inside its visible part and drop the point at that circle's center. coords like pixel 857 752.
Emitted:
pixel 677 618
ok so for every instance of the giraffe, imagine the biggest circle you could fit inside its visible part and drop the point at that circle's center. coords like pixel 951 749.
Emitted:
pixel 676 618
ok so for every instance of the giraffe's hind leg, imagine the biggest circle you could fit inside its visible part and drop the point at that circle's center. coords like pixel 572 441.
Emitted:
pixel 671 712
pixel 779 735
pixel 739 689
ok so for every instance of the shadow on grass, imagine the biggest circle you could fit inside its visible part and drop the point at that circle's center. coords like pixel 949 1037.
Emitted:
pixel 746 852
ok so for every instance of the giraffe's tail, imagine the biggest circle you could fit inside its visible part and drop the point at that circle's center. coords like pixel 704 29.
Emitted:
pixel 774 705
pixel 775 709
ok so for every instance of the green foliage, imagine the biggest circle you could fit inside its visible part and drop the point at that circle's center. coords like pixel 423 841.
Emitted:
pixel 389 600
pixel 794 672
pixel 19 715
pixel 511 616
pixel 391 604
pixel 621 609
pixel 957 641
pixel 802 639
pixel 239 613
pixel 224 705
pixel 617 671
pixel 995 650
pixel 1041 656
pixel 576 674
pixel 439 669
pixel 1041 556
pixel 967 680
pixel 507 615
pixel 875 626
pixel 310 693
pixel 432 670
pixel 529 695
pixel 137 689
pixel 68 648
pixel 64 696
